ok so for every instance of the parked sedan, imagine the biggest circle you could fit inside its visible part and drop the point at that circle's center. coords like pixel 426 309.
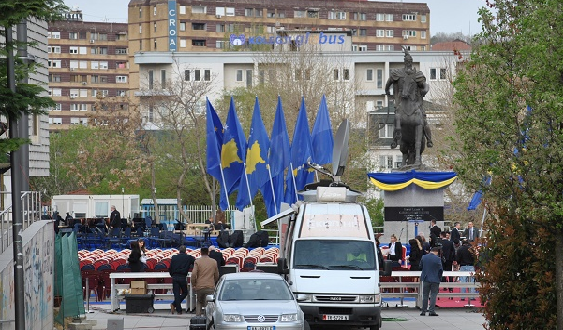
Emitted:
pixel 253 301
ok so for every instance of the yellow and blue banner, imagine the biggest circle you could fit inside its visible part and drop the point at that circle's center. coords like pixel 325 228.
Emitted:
pixel 425 180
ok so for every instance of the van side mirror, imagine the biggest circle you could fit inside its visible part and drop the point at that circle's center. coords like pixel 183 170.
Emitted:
pixel 282 266
pixel 387 268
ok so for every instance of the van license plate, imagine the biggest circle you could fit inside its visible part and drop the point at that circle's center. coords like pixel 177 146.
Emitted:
pixel 261 328
pixel 336 317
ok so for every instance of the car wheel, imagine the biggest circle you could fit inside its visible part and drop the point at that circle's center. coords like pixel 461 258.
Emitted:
pixel 150 309
pixel 306 326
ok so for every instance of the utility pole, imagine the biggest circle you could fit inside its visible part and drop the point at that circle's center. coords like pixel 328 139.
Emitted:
pixel 24 119
pixel 17 214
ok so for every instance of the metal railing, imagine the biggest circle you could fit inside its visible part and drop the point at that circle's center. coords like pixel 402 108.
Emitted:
pixel 31 212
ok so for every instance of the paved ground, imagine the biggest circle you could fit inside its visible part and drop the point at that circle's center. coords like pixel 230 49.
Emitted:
pixel 394 318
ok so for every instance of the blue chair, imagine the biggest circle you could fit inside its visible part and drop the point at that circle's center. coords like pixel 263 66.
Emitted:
pixel 125 236
pixel 154 237
pixel 114 238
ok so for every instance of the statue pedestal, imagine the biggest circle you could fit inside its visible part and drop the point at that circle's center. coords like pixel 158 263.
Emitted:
pixel 409 211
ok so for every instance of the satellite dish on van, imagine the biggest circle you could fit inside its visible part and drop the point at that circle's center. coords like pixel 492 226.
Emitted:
pixel 341 150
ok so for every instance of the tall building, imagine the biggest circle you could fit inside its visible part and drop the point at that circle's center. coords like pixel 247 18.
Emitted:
pixel 199 26
pixel 86 60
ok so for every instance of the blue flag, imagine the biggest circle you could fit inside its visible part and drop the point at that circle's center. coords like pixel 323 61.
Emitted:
pixel 301 153
pixel 214 142
pixel 321 139
pixel 256 170
pixel 476 199
pixel 233 153
pixel 279 160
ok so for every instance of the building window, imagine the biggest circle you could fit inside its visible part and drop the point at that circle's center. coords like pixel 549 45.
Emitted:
pixel 220 44
pixel 299 13
pixel 187 75
pixel 183 43
pixel 154 11
pixel 337 15
pixel 182 26
pixel 409 17
pixel 380 33
pixel 197 75
pixel 220 28
pixel 258 12
pixel 140 28
pixel 380 17
pixel 386 131
pixel 121 51
pixel 154 26
pixel 389 17
pixel 121 65
pixel 239 76
pixel 362 48
pixel 335 74
pixel 74 121
pixel 409 33
pixel 73 35
pixel 369 75
pixel 423 18
pixel 162 79
pixel 363 32
pixel 379 78
pixel 423 34
pixel 73 50
pixel 248 78
pixel 53 35
pixel 56 64
pixel 140 12
pixel 196 42
pixel 54 49
pixel 199 9
pixel 249 12
pixel 389 33
pixel 57 121
pixel 198 26
pixel 359 16
pixel 54 78
pixel 121 79
pixel 151 79
pixel 55 92
pixel 230 11
pixel 346 74
pixel 437 74
pixel 183 10
pixel 121 93
pixel 386 161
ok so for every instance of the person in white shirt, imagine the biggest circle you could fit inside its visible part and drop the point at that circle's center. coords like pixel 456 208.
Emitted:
pixel 395 251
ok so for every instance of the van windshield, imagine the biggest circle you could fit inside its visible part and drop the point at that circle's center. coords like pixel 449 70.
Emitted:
pixel 333 254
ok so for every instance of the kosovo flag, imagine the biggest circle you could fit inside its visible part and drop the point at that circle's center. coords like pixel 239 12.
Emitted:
pixel 256 169
pixel 279 160
pixel 214 142
pixel 232 154
pixel 301 153
pixel 321 138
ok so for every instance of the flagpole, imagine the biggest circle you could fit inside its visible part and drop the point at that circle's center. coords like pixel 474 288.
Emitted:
pixel 294 184
pixel 225 188
pixel 248 186
pixel 273 191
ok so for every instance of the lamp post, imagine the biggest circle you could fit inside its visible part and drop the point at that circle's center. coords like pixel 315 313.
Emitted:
pixel 123 200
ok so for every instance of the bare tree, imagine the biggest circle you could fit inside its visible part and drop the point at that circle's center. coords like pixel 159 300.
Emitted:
pixel 177 106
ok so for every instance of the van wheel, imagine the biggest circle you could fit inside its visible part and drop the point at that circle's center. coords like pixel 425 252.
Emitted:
pixel 306 326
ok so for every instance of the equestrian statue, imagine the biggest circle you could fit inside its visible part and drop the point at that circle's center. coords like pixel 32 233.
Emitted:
pixel 411 129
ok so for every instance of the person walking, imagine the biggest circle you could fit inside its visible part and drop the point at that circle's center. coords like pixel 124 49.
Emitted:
pixel 204 276
pixel 180 265
pixel 431 266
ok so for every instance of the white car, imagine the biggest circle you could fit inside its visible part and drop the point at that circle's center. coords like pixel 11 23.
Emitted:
pixel 253 301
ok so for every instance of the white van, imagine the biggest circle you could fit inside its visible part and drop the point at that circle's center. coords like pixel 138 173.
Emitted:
pixel 329 259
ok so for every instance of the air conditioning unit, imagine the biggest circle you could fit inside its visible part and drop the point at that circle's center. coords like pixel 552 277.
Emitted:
pixel 218 16
pixel 73 96
pixel 92 41
pixel 406 37
pixel 83 83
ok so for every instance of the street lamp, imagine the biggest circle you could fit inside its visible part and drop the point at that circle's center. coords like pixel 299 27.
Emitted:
pixel 123 200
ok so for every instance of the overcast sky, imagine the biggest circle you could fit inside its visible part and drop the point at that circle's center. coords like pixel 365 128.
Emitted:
pixel 446 15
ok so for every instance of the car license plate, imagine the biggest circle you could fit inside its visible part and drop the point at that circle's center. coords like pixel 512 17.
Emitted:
pixel 336 317
pixel 261 328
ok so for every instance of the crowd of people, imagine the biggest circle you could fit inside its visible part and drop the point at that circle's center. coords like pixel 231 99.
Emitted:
pixel 445 251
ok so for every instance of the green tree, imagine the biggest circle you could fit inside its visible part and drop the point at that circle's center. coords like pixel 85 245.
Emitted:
pixel 509 121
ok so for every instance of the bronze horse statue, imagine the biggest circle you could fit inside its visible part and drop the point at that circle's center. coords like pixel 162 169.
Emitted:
pixel 411 130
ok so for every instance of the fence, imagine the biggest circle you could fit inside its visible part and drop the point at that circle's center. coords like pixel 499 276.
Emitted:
pixel 195 213
pixel 31 212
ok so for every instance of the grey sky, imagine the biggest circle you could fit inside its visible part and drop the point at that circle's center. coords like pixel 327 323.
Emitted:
pixel 446 15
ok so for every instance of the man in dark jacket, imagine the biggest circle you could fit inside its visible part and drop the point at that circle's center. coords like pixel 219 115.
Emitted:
pixel 435 232
pixel 114 218
pixel 431 266
pixel 218 256
pixel 180 265
pixel 465 257
pixel 454 234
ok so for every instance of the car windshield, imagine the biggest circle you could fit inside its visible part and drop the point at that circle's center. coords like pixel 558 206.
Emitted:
pixel 254 289
pixel 333 254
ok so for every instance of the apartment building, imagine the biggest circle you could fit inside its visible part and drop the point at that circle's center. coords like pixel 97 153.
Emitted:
pixel 207 26
pixel 87 60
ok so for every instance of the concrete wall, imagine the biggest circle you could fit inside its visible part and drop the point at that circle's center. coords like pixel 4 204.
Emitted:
pixel 38 252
